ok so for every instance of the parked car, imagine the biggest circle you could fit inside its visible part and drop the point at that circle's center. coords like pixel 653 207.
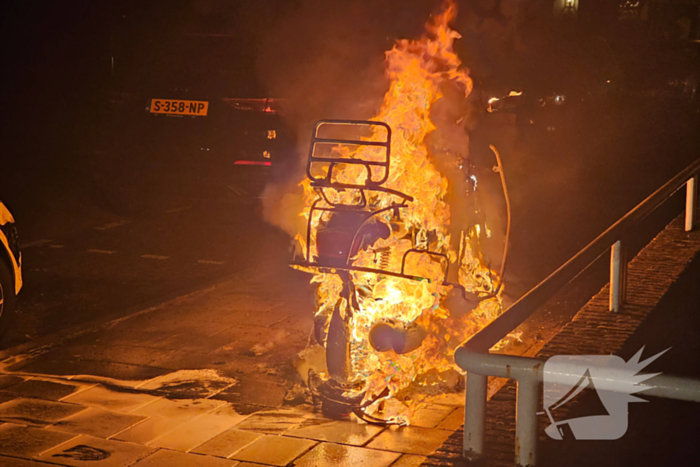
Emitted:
pixel 185 114
pixel 10 268
pixel 589 78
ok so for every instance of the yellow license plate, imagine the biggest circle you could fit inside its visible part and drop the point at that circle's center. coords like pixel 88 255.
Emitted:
pixel 177 107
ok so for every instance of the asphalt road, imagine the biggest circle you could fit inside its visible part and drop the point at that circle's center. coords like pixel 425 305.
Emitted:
pixel 89 263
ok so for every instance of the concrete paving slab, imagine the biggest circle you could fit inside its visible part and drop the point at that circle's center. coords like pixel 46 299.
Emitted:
pixel 37 411
pixel 409 460
pixel 453 399
pixel 98 422
pixel 274 450
pixel 7 381
pixel 40 389
pixel 16 462
pixel 189 384
pixel 179 410
pixel 46 365
pixel 85 451
pixel 338 455
pixel 227 443
pixel 410 440
pixel 99 396
pixel 431 416
pixel 7 396
pixel 165 458
pixel 274 421
pixel 453 421
pixel 148 430
pixel 196 431
pixel 341 432
pixel 260 389
pixel 27 441
pixel 229 410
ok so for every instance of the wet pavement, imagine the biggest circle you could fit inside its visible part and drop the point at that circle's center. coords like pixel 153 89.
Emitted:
pixel 82 262
pixel 87 402
pixel 228 328
pixel 96 426
pixel 199 381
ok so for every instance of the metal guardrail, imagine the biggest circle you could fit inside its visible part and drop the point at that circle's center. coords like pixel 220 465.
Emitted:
pixel 611 238
pixel 498 365
pixel 530 372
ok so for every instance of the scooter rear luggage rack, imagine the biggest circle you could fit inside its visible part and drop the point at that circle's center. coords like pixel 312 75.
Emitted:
pixel 327 182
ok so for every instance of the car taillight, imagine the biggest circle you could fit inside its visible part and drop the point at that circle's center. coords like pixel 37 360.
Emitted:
pixel 265 105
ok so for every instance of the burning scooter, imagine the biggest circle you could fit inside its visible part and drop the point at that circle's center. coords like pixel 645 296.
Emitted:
pixel 383 274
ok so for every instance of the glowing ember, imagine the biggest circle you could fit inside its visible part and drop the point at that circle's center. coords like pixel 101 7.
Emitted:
pixel 413 323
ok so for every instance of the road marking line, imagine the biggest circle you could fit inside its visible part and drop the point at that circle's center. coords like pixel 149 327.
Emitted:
pixel 154 257
pixel 208 261
pixel 112 225
pixel 35 243
pixel 56 246
pixel 102 252
pixel 181 208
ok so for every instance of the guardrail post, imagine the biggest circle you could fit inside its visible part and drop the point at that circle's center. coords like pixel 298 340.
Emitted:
pixel 526 421
pixel 691 199
pixel 475 416
pixel 618 276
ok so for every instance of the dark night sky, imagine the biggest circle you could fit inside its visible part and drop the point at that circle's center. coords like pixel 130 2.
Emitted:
pixel 51 47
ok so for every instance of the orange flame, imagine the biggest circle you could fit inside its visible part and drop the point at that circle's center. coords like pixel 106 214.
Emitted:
pixel 416 70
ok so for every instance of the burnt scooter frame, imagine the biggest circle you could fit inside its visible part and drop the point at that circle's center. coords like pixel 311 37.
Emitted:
pixel 320 184
pixel 331 392
pixel 334 403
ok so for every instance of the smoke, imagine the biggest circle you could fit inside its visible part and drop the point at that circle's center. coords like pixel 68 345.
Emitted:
pixel 326 58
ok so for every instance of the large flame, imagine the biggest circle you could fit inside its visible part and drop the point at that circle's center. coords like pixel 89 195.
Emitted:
pixel 417 69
